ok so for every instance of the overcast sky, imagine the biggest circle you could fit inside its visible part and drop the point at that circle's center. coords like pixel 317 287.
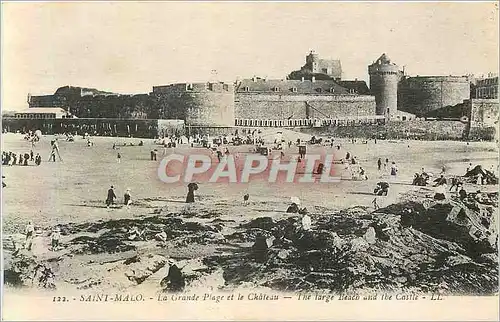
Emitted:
pixel 129 47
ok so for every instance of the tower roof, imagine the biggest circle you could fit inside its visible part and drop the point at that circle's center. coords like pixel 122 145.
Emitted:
pixel 384 59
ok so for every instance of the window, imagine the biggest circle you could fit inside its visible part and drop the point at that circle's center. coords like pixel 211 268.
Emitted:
pixel 276 89
pixel 189 87
pixel 332 90
pixel 246 89
pixel 225 87
pixel 294 89
pixel 319 90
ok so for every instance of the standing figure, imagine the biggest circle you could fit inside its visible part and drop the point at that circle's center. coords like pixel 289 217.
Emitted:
pixel 127 198
pixel 38 159
pixel 54 151
pixel 306 222
pixel 29 231
pixel 111 197
pixel 119 157
pixel 55 236
pixel 394 170
pixel 192 187
pixel 379 164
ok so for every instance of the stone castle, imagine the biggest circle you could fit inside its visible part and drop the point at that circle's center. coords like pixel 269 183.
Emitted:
pixel 313 96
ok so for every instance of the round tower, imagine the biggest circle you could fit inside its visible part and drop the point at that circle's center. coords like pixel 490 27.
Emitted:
pixel 384 78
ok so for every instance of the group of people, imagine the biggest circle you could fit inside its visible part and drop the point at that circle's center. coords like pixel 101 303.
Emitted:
pixel 9 158
pixel 111 198
pixel 30 233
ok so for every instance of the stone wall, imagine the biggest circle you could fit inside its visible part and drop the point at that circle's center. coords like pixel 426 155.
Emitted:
pixel 420 95
pixel 47 101
pixel 483 111
pixel 210 105
pixel 424 130
pixel 262 106
pixel 483 118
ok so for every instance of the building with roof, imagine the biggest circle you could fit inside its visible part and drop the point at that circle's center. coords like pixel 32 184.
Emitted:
pixel 315 65
pixel 263 102
pixel 42 113
pixel 485 88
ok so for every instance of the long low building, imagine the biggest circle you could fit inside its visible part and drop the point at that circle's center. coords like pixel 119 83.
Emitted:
pixel 42 113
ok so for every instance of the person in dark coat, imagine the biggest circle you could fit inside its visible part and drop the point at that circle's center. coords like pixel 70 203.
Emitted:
pixel 379 164
pixel 462 193
pixel 111 197
pixel 293 208
pixel 174 281
pixel 38 159
pixel 192 187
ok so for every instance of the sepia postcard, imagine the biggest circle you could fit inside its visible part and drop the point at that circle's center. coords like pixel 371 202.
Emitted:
pixel 250 161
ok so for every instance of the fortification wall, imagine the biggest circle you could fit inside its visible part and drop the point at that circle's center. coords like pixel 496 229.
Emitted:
pixel 47 101
pixel 484 112
pixel 483 118
pixel 209 105
pixel 282 107
pixel 420 95
pixel 424 130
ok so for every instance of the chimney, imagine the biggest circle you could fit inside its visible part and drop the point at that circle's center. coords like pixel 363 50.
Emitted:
pixel 302 79
pixel 313 79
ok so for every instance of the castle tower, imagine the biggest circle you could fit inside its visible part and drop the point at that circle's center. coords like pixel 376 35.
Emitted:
pixel 384 78
pixel 312 62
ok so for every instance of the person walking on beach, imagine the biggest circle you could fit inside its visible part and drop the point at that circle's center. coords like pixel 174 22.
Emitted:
pixel 394 170
pixel 54 151
pixel 127 198
pixel 29 231
pixel 55 236
pixel 119 157
pixel 38 159
pixel 192 187
pixel 111 197
pixel 379 164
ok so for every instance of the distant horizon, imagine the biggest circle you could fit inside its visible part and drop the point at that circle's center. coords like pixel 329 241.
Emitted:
pixel 130 47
